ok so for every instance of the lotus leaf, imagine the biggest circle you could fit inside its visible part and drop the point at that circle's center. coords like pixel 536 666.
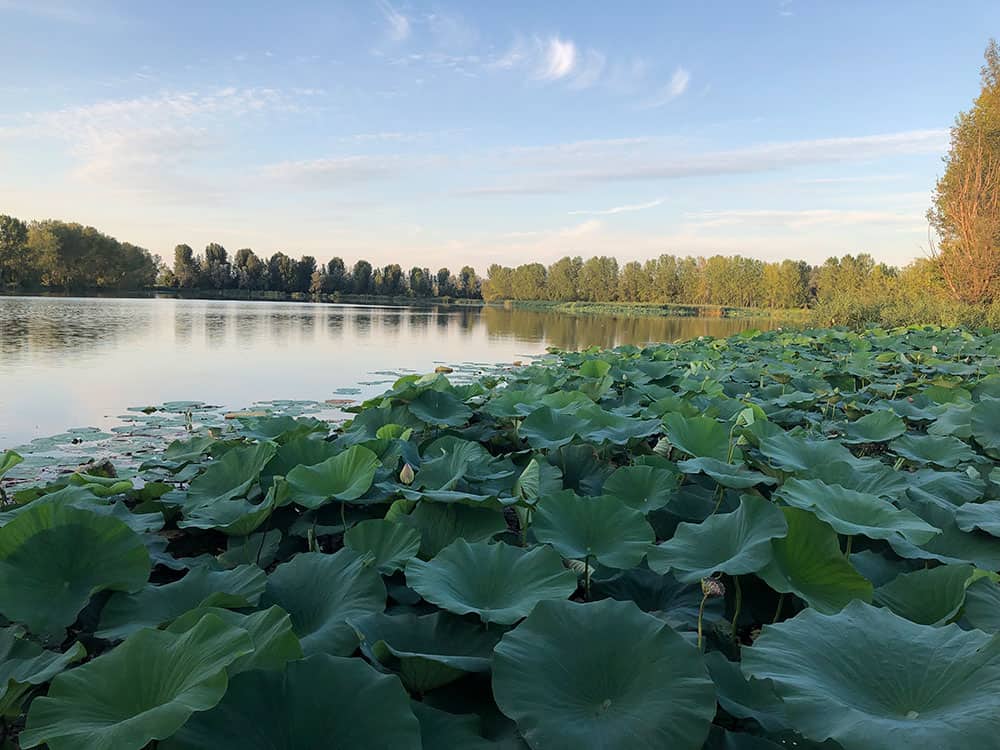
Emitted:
pixel 143 690
pixel 877 427
pixel 737 476
pixel 54 557
pixel 871 680
pixel 985 424
pixel 982 516
pixel 733 543
pixel 428 651
pixel 498 582
pixel 314 704
pixel 645 488
pixel 440 408
pixel 345 477
pixel 850 512
pixel 391 544
pixel 24 664
pixel 927 597
pixel 701 437
pixel 321 593
pixel 808 563
pixel 228 477
pixel 563 677
pixel 124 614
pixel 601 528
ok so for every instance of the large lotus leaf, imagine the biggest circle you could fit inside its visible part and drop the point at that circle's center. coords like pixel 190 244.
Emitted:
pixel 798 453
pixel 280 428
pixel 8 460
pixel 583 472
pixel 737 476
pixel 346 476
pixel 321 593
pixel 940 450
pixel 449 460
pixel 428 651
pixel 54 557
pixel 440 408
pixel 872 680
pixel 877 427
pixel 599 528
pixel 123 614
pixel 808 563
pixel 551 428
pixel 663 596
pixel 229 477
pixel 745 698
pixel 270 631
pixel 318 703
pixel 733 543
pixel 698 436
pixel 954 420
pixel 563 676
pixel 391 544
pixel 645 488
pixel 850 512
pixel 985 422
pixel 537 479
pixel 927 597
pixel 982 516
pixel 143 690
pixel 306 450
pixel 24 663
pixel 444 730
pixel 440 525
pixel 498 582
pixel 957 487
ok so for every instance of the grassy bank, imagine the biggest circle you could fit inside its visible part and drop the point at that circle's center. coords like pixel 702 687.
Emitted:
pixel 655 309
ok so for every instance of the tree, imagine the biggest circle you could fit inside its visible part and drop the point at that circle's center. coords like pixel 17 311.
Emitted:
pixel 421 283
pixel 966 210
pixel 13 250
pixel 361 277
pixel 445 283
pixel 498 285
pixel 318 281
pixel 217 271
pixel 282 273
pixel 249 271
pixel 528 281
pixel 186 270
pixel 468 283
pixel 632 283
pixel 599 279
pixel 563 278
pixel 304 269
pixel 336 276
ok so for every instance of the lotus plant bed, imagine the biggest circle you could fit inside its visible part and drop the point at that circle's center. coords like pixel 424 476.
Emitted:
pixel 778 540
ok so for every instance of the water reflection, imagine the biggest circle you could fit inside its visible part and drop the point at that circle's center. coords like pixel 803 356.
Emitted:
pixel 72 361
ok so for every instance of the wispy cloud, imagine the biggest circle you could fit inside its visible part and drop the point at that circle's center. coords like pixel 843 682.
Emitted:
pixel 628 208
pixel 398 24
pixel 558 59
pixel 678 84
pixel 799 218
pixel 53 10
pixel 333 172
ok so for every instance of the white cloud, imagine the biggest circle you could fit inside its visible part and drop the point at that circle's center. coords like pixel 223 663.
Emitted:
pixel 558 61
pixel 678 84
pixel 590 70
pixel 399 25
pixel 799 218
pixel 628 208
pixel 333 172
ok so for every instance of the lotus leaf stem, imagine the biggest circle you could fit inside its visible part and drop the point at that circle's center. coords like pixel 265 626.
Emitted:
pixel 739 603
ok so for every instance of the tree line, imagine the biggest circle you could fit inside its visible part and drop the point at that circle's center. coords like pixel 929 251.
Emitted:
pixel 61 255
pixel 214 270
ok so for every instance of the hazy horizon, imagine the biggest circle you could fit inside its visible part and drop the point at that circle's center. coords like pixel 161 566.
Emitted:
pixel 441 134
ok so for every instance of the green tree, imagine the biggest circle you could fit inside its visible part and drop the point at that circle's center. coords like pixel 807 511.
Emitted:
pixel 468 283
pixel 499 283
pixel 632 283
pixel 445 283
pixel 249 271
pixel 599 279
pixel 305 267
pixel 528 282
pixel 217 272
pixel 966 210
pixel 14 255
pixel 336 276
pixel 563 278
pixel 421 283
pixel 282 273
pixel 186 270
pixel 361 277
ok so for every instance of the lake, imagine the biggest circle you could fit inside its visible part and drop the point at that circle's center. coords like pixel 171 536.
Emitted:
pixel 73 362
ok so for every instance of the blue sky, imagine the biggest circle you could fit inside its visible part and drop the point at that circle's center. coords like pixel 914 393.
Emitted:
pixel 445 133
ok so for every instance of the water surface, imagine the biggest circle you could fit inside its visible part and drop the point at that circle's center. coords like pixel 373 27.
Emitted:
pixel 72 362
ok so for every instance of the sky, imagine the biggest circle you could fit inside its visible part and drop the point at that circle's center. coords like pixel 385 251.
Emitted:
pixel 457 133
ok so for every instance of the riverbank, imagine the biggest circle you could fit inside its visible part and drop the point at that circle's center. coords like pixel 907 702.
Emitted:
pixel 656 309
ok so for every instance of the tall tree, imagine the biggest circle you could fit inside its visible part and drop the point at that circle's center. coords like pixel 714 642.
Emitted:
pixel 361 278
pixel 336 276
pixel 186 270
pixel 13 250
pixel 217 271
pixel 966 210
pixel 445 283
pixel 563 279
pixel 249 271
pixel 304 269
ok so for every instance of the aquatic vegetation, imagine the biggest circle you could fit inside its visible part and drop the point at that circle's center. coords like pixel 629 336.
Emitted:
pixel 787 539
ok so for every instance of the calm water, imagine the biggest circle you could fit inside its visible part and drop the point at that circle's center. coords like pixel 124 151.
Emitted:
pixel 70 362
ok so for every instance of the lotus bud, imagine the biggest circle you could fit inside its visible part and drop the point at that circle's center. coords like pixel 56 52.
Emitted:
pixel 406 475
pixel 712 587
